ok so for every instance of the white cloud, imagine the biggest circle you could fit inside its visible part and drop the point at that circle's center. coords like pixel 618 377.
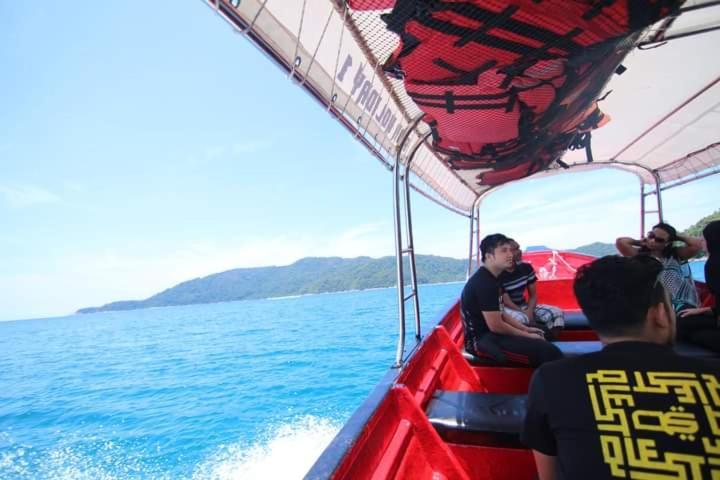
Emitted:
pixel 372 239
pixel 73 187
pixel 250 146
pixel 239 148
pixel 79 280
pixel 562 220
pixel 211 153
pixel 569 226
pixel 221 152
pixel 19 196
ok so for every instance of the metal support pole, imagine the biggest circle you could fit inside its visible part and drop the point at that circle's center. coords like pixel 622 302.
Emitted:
pixel 410 248
pixel 398 242
pixel 398 258
pixel 478 254
pixel 474 252
pixel 642 209
pixel 470 249
pixel 659 196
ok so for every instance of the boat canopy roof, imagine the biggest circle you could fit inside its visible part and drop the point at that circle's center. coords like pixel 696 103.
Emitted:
pixel 664 107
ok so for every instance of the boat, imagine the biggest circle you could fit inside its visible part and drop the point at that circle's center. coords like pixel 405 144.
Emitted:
pixel 459 98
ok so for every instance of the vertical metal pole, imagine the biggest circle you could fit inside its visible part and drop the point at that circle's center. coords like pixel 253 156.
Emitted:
pixel 410 243
pixel 470 249
pixel 398 258
pixel 659 196
pixel 477 241
pixel 398 242
pixel 642 209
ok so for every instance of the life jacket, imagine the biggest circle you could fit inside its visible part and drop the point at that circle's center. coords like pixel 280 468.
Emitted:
pixel 510 85
pixel 365 5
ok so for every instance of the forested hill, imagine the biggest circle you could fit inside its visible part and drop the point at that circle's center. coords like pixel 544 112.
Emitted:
pixel 600 249
pixel 320 275
pixel 597 249
pixel 696 229
pixel 308 275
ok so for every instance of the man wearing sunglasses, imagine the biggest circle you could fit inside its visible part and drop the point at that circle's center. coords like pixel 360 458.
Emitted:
pixel 660 243
pixel 635 409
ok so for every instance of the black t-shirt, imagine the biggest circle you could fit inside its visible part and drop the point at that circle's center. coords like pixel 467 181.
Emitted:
pixel 712 280
pixel 632 409
pixel 515 282
pixel 481 293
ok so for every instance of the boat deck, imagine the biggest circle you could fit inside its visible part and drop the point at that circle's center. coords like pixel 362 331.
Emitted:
pixel 447 414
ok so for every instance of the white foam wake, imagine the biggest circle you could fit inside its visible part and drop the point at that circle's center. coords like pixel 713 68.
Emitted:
pixel 285 452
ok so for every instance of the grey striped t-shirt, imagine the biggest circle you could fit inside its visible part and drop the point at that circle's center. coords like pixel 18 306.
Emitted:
pixel 514 283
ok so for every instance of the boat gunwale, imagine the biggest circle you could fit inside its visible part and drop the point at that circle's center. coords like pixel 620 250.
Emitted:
pixel 345 440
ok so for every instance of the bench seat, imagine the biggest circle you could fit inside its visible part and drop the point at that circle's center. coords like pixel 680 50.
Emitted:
pixel 478 418
pixel 576 321
pixel 575 348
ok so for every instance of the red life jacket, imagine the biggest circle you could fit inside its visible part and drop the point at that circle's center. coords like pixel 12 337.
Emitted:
pixel 365 5
pixel 511 84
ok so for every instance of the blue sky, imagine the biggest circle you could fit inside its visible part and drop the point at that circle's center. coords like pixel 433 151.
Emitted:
pixel 141 146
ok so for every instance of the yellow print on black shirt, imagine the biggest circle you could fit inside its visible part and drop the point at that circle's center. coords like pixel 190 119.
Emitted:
pixel 632 433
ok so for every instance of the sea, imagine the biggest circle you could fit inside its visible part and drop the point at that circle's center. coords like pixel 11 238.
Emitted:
pixel 237 390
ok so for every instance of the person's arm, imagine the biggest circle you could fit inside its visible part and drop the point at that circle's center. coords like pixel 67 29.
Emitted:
pixel 546 465
pixel 498 324
pixel 537 433
pixel 695 311
pixel 532 301
pixel 508 303
pixel 692 246
pixel 521 326
pixel 628 247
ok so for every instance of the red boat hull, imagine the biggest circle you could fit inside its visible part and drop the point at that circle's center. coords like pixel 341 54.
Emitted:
pixel 391 436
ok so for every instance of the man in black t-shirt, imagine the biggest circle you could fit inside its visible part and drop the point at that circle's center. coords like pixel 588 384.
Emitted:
pixel 636 409
pixel 489 332
pixel 514 282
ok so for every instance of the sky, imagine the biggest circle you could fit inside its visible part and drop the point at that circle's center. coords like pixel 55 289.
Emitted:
pixel 141 146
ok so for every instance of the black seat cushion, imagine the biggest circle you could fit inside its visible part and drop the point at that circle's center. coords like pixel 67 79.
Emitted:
pixel 478 418
pixel 573 349
pixel 489 362
pixel 692 350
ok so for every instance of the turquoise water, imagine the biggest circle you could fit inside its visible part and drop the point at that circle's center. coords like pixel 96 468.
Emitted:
pixel 245 390
pixel 238 390
pixel 698 270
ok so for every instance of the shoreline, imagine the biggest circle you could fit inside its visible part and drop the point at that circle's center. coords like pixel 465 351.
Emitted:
pixel 285 297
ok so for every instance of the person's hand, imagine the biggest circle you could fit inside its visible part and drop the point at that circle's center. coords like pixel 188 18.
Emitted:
pixel 691 311
pixel 535 332
pixel 682 238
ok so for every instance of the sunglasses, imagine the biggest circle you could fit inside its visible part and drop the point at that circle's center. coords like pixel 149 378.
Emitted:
pixel 652 236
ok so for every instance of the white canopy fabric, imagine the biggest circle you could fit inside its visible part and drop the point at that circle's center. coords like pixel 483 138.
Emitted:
pixel 665 108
